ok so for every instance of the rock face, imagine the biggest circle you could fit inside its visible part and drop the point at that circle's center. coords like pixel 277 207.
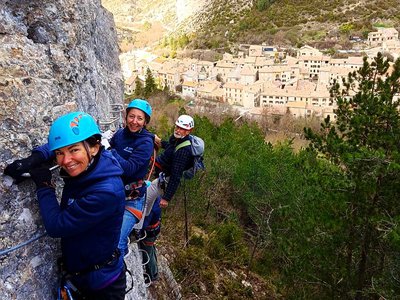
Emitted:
pixel 170 12
pixel 188 8
pixel 55 56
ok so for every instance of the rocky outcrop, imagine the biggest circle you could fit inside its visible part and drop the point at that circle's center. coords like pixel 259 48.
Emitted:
pixel 55 56
pixel 187 8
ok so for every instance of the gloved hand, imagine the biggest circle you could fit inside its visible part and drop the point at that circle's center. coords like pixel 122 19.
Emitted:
pixel 105 143
pixel 41 177
pixel 21 166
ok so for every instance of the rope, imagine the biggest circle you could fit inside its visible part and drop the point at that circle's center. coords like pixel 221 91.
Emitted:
pixel 153 164
pixel 27 242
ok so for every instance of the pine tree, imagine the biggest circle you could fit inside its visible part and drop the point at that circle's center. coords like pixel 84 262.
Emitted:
pixel 150 85
pixel 138 88
pixel 364 142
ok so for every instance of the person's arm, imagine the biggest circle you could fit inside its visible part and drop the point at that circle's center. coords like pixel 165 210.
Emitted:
pixel 44 150
pixel 18 167
pixel 79 216
pixel 179 163
pixel 164 144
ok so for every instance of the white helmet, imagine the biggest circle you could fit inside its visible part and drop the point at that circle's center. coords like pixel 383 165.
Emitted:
pixel 185 122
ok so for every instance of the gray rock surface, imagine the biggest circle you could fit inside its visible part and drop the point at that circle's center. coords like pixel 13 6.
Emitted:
pixel 55 56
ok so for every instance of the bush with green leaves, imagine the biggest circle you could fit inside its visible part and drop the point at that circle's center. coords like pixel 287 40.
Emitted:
pixel 364 144
pixel 322 223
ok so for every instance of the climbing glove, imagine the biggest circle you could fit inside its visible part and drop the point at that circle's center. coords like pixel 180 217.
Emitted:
pixel 21 166
pixel 105 143
pixel 41 177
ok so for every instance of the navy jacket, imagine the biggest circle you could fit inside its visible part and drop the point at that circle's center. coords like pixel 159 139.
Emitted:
pixel 88 220
pixel 133 151
pixel 173 163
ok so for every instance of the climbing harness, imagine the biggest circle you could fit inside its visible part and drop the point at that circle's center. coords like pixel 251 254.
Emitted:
pixel 66 288
pixel 64 291
pixel 133 187
pixel 162 180
pixel 113 257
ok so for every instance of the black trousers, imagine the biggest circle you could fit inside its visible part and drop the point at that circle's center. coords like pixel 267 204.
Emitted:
pixel 114 291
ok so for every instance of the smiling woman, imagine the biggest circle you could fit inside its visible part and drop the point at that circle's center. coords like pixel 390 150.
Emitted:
pixel 74 138
pixel 133 147
pixel 92 202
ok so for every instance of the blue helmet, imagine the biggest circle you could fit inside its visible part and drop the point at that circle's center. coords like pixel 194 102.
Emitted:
pixel 71 128
pixel 141 104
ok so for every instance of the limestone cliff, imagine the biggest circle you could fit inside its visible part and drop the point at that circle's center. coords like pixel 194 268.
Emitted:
pixel 171 13
pixel 55 56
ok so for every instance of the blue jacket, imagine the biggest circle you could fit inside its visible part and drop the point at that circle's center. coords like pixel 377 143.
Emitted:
pixel 173 163
pixel 133 151
pixel 88 219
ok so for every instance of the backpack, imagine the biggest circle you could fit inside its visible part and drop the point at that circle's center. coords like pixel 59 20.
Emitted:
pixel 197 150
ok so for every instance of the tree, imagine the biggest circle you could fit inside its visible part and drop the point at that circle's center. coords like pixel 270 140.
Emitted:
pixel 364 143
pixel 263 4
pixel 147 26
pixel 346 28
pixel 138 88
pixel 183 40
pixel 150 85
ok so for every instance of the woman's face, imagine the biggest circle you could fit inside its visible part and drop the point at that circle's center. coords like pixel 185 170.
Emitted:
pixel 74 159
pixel 135 120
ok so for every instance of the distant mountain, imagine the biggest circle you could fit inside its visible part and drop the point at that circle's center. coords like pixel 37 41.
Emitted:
pixel 222 24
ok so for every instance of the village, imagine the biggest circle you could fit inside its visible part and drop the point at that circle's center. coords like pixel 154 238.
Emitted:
pixel 260 79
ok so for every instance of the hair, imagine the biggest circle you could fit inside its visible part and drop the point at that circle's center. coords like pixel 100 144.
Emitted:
pixel 93 140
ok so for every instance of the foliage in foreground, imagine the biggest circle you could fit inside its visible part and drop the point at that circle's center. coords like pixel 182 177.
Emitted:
pixel 364 142
pixel 321 223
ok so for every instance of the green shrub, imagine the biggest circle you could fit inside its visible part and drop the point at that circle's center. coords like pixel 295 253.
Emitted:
pixel 227 244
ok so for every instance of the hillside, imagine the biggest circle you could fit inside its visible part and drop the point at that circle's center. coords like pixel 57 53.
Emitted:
pixel 294 22
pixel 224 24
pixel 265 222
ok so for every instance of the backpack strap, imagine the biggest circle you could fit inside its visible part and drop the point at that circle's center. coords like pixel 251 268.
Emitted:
pixel 183 144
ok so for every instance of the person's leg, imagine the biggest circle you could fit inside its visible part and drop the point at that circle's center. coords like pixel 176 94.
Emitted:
pixel 128 222
pixel 153 191
pixel 151 257
pixel 114 291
